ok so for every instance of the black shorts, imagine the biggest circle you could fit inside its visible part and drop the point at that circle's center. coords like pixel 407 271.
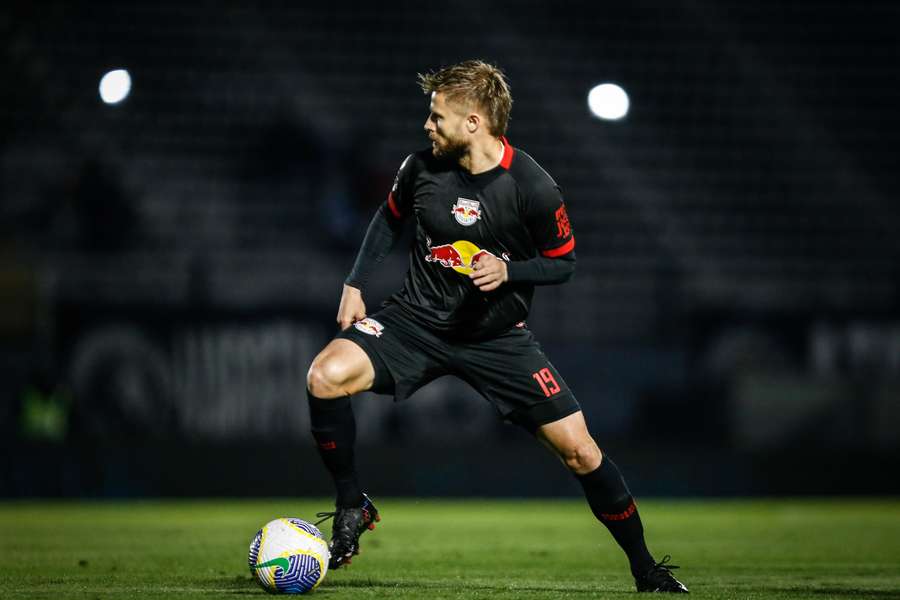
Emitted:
pixel 509 370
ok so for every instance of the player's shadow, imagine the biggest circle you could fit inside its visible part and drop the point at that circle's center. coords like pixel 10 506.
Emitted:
pixel 335 586
pixel 239 585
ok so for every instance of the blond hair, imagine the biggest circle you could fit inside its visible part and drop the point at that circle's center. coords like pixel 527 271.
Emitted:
pixel 474 83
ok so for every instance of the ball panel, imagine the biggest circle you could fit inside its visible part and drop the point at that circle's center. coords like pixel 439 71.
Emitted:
pixel 304 573
pixel 306 527
pixel 253 555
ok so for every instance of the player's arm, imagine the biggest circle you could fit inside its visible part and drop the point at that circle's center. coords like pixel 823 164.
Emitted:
pixel 551 232
pixel 384 230
pixel 543 270
pixel 550 229
pixel 490 273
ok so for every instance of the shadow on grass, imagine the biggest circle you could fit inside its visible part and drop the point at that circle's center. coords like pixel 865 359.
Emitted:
pixel 240 585
pixel 454 586
pixel 247 585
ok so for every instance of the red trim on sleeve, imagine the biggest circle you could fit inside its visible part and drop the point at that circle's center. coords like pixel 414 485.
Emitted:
pixel 393 206
pixel 564 249
pixel 508 152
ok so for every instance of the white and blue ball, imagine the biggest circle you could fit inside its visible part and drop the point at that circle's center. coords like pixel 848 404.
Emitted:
pixel 289 556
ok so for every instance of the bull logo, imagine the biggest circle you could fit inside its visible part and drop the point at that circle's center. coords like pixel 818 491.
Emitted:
pixel 466 212
pixel 460 256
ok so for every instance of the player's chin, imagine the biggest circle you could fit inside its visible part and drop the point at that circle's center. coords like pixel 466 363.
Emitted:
pixel 447 150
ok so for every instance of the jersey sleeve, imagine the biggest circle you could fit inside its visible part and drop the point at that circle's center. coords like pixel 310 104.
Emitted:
pixel 548 222
pixel 385 229
pixel 399 199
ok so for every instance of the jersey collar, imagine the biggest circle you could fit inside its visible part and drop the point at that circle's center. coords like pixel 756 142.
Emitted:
pixel 508 152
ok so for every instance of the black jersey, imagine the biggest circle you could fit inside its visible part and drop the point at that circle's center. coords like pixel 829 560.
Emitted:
pixel 514 212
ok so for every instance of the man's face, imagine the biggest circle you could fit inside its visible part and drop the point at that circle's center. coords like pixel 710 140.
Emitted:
pixel 446 127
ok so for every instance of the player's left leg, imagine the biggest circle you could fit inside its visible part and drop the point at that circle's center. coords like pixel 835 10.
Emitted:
pixel 512 373
pixel 609 498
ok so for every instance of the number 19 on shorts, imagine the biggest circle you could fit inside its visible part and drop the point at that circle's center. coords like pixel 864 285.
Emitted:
pixel 547 382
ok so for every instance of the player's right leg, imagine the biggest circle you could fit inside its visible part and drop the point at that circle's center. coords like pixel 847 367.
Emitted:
pixel 387 353
pixel 340 370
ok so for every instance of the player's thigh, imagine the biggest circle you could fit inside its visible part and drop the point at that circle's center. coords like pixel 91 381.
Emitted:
pixel 404 353
pixel 570 439
pixel 513 374
pixel 342 368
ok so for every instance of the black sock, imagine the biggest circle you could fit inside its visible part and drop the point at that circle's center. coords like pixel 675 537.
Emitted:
pixel 612 504
pixel 334 429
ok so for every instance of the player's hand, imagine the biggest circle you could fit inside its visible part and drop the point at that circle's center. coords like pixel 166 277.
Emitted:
pixel 352 307
pixel 488 273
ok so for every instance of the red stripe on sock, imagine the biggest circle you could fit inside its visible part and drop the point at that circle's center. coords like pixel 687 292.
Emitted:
pixel 619 516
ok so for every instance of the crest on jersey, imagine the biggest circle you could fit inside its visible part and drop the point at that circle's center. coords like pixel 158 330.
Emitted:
pixel 466 211
pixel 370 326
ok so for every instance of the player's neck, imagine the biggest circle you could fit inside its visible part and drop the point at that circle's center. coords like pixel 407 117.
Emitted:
pixel 482 156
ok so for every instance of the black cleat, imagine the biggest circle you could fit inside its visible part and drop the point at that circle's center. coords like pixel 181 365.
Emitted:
pixel 349 524
pixel 659 578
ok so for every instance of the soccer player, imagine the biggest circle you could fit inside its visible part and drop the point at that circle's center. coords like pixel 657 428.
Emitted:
pixel 490 224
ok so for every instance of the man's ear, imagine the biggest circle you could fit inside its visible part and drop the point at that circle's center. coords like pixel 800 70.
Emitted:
pixel 473 122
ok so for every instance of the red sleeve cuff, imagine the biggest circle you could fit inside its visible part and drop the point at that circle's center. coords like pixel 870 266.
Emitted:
pixel 564 249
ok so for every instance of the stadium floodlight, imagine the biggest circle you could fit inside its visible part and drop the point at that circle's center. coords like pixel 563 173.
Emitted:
pixel 608 101
pixel 115 86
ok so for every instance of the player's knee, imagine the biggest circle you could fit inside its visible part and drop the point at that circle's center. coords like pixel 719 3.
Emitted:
pixel 325 378
pixel 582 458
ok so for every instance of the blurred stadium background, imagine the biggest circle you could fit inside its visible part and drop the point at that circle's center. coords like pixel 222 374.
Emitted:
pixel 170 264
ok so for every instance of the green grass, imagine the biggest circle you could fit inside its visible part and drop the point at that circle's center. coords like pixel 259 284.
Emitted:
pixel 456 549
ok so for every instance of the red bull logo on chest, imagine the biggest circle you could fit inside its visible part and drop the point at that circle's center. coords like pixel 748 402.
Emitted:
pixel 467 212
pixel 460 256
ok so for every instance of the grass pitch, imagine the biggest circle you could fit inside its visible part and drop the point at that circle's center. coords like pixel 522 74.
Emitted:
pixel 456 549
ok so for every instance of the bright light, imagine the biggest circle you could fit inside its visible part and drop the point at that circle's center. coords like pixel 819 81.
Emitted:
pixel 608 101
pixel 115 86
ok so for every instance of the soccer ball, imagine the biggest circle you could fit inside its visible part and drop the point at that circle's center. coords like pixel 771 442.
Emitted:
pixel 288 556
